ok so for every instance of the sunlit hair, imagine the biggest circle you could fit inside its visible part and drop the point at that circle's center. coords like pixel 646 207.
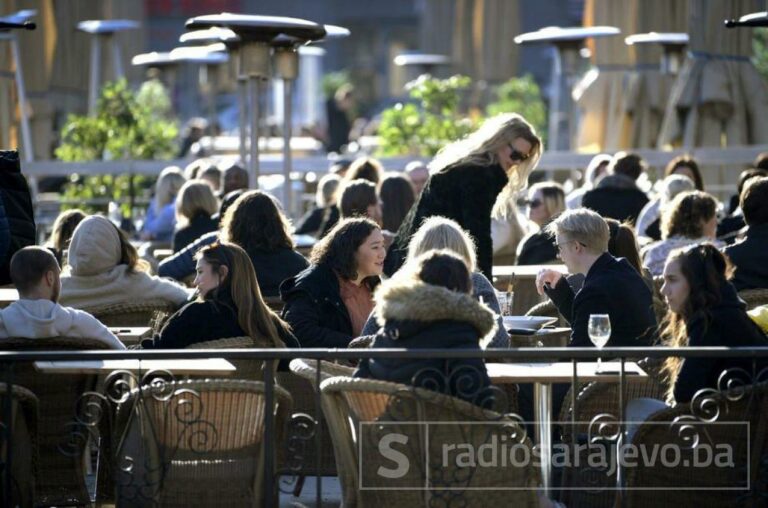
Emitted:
pixel 687 214
pixel 552 196
pixel 627 164
pixel 397 198
pixel 754 201
pixel 337 248
pixel 673 185
pixel 601 160
pixel 129 256
pixel 256 223
pixel 195 197
pixel 584 226
pixel 256 319
pixel 355 198
pixel 623 243
pixel 196 167
pixel 326 190
pixel 168 185
pixel 29 265
pixel 64 226
pixel 706 270
pixel 439 233
pixel 366 168
pixel 686 161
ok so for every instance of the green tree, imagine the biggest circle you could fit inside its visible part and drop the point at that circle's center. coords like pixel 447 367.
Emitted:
pixel 760 50
pixel 126 126
pixel 521 95
pixel 427 124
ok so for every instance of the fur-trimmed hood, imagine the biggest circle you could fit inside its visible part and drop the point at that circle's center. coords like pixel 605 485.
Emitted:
pixel 416 301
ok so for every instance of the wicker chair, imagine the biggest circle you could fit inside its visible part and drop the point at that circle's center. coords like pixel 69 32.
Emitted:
pixel 360 410
pixel 150 313
pixel 593 399
pixel 754 297
pixel 691 484
pixel 200 445
pixel 61 443
pixel 23 443
pixel 246 369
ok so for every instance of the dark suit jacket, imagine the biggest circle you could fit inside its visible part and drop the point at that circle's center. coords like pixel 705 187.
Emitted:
pixel 611 287
pixel 749 259
pixel 616 203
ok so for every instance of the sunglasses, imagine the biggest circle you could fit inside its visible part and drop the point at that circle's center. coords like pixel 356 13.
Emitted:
pixel 517 155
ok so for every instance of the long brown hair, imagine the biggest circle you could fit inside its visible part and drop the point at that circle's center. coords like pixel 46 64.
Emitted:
pixel 255 223
pixel 397 198
pixel 623 243
pixel 129 255
pixel 687 214
pixel 253 315
pixel 706 270
pixel 64 226
pixel 337 249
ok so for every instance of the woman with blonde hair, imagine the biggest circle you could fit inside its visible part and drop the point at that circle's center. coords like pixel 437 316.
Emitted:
pixel 195 205
pixel 441 234
pixel 546 200
pixel 466 179
pixel 61 233
pixel 161 214
pixel 229 304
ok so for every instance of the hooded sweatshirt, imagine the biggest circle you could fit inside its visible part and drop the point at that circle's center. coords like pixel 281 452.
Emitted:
pixel 40 319
pixel 96 278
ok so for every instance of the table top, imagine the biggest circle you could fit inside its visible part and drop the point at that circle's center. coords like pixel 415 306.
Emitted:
pixel 560 372
pixel 525 271
pixel 131 334
pixel 8 295
pixel 206 366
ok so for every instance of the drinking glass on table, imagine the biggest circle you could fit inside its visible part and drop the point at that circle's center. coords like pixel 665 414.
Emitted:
pixel 599 330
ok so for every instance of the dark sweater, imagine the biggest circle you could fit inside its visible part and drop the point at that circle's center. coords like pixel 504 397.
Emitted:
pixel 17 201
pixel 197 227
pixel 749 259
pixel 464 193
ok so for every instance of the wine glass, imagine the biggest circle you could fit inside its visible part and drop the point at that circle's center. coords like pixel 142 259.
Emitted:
pixel 599 330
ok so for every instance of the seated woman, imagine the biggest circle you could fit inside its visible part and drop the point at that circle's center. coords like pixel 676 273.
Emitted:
pixel 546 200
pixel 649 221
pixel 328 303
pixel 256 223
pixel 229 304
pixel 104 268
pixel 358 198
pixel 161 215
pixel 62 230
pixel 325 197
pixel 428 304
pixel 704 310
pixel 195 205
pixel 397 197
pixel 439 233
pixel 691 218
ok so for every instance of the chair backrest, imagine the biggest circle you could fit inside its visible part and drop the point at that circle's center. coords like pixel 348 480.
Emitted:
pixel 245 369
pixel 733 423
pixel 150 313
pixel 365 413
pixel 754 297
pixel 60 436
pixel 198 443
pixel 307 369
pixel 22 406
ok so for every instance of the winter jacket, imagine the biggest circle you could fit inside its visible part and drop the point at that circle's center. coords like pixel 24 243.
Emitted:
pixel 749 259
pixel 416 315
pixel 616 197
pixel 315 310
pixel 182 264
pixel 20 230
pixel 95 277
pixel 40 319
pixel 612 286
pixel 726 324
pixel 464 193
pixel 197 227
pixel 311 222
pixel 537 248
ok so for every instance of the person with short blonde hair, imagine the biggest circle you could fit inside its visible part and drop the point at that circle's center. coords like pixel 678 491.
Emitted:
pixel 161 214
pixel 195 205
pixel 583 226
pixel 546 200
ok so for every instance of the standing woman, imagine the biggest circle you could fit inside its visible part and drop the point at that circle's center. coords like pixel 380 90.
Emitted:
pixel 466 178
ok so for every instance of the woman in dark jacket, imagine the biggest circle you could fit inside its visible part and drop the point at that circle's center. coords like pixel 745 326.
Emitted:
pixel 429 305
pixel 229 305
pixel 328 303
pixel 546 200
pixel 466 179
pixel 704 310
pixel 195 205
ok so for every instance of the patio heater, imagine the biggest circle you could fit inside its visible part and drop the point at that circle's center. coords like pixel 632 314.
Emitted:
pixel 672 44
pixel 568 43
pixel 286 61
pixel 20 21
pixel 756 19
pixel 417 63
pixel 208 58
pixel 103 31
pixel 256 33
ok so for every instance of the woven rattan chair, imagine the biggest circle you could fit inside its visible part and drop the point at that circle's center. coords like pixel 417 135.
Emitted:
pixel 201 444
pixel 61 442
pixel 754 297
pixel 150 313
pixel 695 485
pixel 245 369
pixel 361 412
pixel 22 444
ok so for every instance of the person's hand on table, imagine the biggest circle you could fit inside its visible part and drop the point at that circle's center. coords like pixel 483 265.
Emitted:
pixel 547 276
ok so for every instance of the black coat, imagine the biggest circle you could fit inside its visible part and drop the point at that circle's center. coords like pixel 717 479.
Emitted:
pixel 750 259
pixel 727 325
pixel 19 213
pixel 463 193
pixel 200 224
pixel 310 223
pixel 622 204
pixel 537 249
pixel 611 287
pixel 315 310
pixel 272 268
pixel 423 316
